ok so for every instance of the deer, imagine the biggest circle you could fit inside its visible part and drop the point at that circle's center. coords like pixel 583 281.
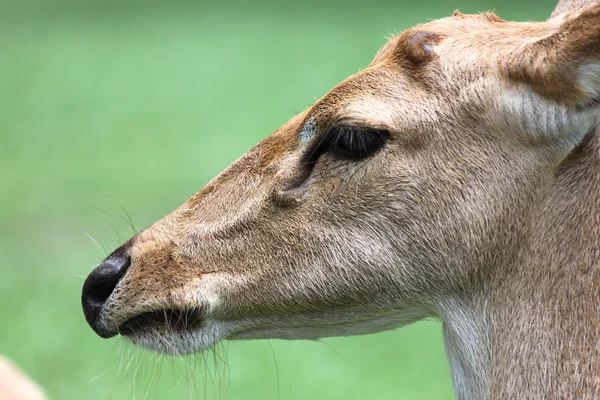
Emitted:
pixel 456 177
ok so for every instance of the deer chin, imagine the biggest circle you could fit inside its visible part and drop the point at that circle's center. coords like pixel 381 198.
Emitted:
pixel 316 326
pixel 163 339
pixel 186 332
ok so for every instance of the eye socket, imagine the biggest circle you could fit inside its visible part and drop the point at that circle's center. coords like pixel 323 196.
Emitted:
pixel 349 143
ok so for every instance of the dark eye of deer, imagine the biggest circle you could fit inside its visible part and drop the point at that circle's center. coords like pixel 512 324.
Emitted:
pixel 349 143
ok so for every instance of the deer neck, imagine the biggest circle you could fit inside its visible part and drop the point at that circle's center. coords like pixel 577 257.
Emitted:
pixel 533 331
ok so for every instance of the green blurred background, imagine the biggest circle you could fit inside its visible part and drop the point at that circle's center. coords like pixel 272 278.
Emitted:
pixel 107 106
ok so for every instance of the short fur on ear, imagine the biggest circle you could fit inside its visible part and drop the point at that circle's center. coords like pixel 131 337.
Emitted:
pixel 564 65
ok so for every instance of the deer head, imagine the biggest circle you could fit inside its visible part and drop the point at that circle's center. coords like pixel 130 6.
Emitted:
pixel 397 195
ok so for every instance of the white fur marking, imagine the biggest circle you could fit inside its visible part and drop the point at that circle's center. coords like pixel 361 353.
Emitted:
pixel 542 119
pixel 371 110
pixel 467 343
pixel 589 79
pixel 309 131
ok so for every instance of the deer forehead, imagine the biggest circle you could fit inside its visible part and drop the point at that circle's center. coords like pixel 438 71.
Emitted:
pixel 410 80
pixel 375 95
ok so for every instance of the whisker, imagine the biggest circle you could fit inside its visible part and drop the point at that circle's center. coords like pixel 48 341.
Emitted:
pixel 150 221
pixel 276 368
pixel 109 222
pixel 128 219
pixel 101 375
pixel 102 249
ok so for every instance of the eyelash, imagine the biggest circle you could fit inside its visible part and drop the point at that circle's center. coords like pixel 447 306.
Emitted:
pixel 348 143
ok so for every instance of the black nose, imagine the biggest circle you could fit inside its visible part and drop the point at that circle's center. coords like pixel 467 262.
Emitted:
pixel 99 285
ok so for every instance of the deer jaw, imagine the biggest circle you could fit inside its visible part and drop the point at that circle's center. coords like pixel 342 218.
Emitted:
pixel 306 236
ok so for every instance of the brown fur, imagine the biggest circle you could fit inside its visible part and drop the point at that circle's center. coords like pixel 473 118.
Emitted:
pixel 482 210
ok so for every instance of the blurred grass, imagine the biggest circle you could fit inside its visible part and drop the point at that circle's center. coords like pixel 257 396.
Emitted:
pixel 135 105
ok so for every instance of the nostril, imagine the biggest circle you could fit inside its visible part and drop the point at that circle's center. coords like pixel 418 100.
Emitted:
pixel 102 281
pixel 100 284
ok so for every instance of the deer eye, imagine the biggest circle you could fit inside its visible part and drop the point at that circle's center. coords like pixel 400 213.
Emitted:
pixel 349 143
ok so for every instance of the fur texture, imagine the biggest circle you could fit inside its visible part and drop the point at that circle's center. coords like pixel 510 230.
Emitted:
pixel 482 210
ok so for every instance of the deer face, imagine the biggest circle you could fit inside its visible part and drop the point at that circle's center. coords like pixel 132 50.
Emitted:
pixel 399 189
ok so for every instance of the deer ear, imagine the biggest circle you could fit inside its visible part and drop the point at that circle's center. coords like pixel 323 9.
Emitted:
pixel 564 6
pixel 564 64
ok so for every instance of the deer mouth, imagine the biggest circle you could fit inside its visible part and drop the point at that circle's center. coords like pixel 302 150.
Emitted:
pixel 169 320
